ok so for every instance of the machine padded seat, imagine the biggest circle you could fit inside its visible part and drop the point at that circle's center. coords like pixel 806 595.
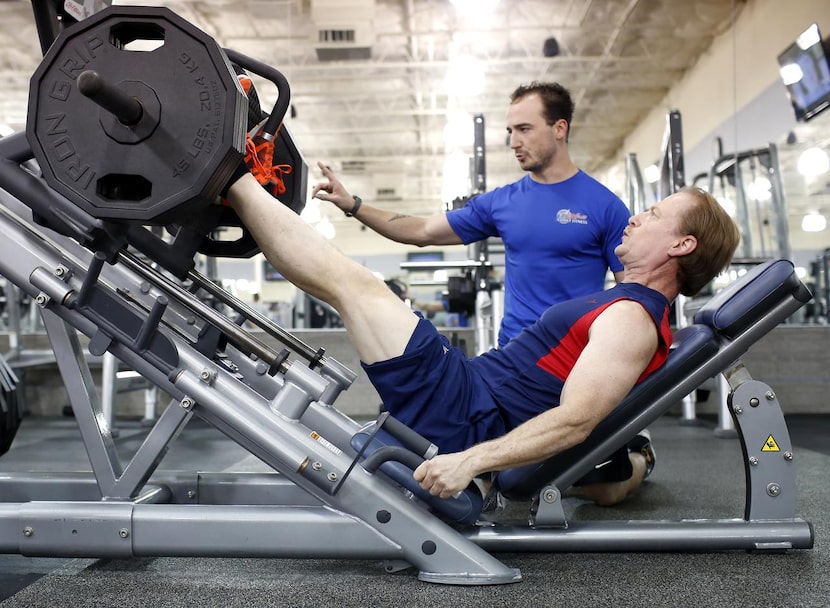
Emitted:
pixel 725 316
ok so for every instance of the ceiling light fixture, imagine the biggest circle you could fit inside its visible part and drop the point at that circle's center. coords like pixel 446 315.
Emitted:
pixel 456 180
pixel 813 222
pixel 760 189
pixel 311 212
pixel 475 6
pixel 465 77
pixel 652 174
pixel 458 132
pixel 728 205
pixel 813 162
pixel 313 216
pixel 326 228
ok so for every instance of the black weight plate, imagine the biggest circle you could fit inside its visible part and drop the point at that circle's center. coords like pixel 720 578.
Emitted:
pixel 461 296
pixel 181 157
pixel 10 410
pixel 9 422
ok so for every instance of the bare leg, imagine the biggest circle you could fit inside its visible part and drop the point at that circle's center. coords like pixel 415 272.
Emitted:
pixel 378 322
pixel 611 493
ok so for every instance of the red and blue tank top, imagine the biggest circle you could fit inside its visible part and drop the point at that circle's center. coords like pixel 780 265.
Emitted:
pixel 526 376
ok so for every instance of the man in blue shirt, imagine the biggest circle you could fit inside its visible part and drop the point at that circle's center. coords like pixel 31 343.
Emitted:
pixel 559 226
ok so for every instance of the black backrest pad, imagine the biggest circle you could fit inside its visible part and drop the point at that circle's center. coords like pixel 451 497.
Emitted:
pixel 727 314
pixel 735 308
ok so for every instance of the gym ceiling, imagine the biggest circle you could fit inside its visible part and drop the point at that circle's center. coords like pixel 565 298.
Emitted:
pixel 376 106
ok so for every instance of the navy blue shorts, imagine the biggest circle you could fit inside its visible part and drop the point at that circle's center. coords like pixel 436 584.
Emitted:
pixel 431 389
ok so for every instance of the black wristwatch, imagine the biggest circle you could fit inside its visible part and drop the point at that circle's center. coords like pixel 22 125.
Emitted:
pixel 357 203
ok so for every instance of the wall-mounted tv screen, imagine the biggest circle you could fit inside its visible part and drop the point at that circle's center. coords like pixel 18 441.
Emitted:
pixel 805 70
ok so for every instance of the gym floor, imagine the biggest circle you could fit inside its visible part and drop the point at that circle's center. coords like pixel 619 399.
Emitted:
pixel 697 476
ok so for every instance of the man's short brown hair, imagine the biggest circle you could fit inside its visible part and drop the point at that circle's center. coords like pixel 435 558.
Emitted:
pixel 717 238
pixel 556 100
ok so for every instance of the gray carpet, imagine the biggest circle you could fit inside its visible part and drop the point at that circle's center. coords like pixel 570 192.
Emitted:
pixel 697 476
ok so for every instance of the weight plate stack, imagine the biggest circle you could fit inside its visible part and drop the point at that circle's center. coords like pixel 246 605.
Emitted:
pixel 154 127
pixel 11 407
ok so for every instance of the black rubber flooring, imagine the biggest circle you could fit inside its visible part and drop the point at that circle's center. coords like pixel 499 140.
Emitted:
pixel 697 476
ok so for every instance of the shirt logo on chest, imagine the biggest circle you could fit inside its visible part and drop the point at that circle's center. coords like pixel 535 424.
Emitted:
pixel 566 216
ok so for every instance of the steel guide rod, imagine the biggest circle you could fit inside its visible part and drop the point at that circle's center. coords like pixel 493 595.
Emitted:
pixel 225 325
pixel 228 327
pixel 300 347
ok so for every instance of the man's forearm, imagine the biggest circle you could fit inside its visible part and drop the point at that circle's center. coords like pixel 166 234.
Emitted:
pixel 409 229
pixel 537 439
pixel 395 226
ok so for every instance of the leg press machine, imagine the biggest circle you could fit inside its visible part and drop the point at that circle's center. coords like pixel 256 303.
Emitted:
pixel 339 488
pixel 325 498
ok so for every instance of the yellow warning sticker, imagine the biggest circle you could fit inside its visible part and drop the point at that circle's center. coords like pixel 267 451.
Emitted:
pixel 770 445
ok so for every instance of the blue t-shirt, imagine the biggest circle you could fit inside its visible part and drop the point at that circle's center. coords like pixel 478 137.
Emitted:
pixel 525 377
pixel 559 241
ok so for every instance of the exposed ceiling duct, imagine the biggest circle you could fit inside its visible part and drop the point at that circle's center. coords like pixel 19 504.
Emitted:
pixel 343 30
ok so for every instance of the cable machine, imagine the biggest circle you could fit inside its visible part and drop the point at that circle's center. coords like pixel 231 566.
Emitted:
pixel 475 292
pixel 751 181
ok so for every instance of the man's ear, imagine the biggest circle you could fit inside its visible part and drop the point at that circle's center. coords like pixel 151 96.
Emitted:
pixel 562 127
pixel 684 246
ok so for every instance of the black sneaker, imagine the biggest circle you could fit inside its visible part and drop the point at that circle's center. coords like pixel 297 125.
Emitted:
pixel 493 502
pixel 642 443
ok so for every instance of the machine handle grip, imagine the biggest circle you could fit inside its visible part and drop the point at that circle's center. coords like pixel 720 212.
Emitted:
pixel 409 438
